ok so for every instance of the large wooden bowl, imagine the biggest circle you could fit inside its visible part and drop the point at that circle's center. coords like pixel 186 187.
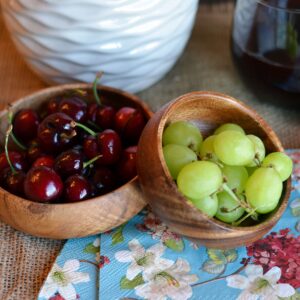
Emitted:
pixel 208 110
pixel 61 221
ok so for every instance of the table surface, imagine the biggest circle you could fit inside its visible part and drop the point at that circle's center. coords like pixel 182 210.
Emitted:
pixel 205 65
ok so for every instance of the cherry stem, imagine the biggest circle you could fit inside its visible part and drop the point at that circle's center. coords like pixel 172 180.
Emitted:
pixel 98 76
pixel 16 141
pixel 94 125
pixel 80 92
pixel 86 164
pixel 20 145
pixel 85 128
pixel 8 132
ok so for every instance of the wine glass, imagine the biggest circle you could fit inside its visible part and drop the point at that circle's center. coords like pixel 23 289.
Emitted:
pixel 266 41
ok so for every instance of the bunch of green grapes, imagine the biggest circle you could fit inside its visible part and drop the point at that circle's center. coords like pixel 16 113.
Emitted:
pixel 227 175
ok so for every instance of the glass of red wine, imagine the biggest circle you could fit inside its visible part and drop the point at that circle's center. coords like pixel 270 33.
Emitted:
pixel 266 41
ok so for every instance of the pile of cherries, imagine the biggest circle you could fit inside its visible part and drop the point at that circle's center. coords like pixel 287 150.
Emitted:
pixel 71 149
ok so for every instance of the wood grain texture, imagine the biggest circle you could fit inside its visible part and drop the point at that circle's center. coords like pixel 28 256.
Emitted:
pixel 208 110
pixel 62 221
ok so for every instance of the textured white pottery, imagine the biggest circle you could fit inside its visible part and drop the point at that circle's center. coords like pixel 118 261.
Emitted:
pixel 134 42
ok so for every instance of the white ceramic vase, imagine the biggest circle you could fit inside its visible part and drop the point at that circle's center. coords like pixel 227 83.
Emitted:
pixel 134 42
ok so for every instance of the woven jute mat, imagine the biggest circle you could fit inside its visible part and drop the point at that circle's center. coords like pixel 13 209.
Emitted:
pixel 205 65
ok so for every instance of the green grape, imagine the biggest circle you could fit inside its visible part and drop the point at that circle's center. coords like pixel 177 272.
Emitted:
pixel 176 157
pixel 183 133
pixel 229 126
pixel 234 148
pixel 228 210
pixel 260 150
pixel 199 179
pixel 281 163
pixel 251 170
pixel 263 190
pixel 208 205
pixel 207 149
pixel 236 177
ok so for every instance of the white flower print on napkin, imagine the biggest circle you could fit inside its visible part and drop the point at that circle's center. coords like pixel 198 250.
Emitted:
pixel 173 282
pixel 260 286
pixel 142 260
pixel 61 280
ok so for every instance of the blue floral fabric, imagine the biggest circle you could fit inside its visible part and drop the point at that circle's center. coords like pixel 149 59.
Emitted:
pixel 143 259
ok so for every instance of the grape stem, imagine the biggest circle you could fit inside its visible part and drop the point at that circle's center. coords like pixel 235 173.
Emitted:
pixel 256 161
pixel 243 204
pixel 209 157
pixel 225 210
pixel 251 213
pixel 95 91
pixel 8 132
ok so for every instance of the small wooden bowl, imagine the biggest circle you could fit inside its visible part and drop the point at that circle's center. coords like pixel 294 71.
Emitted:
pixel 62 221
pixel 208 110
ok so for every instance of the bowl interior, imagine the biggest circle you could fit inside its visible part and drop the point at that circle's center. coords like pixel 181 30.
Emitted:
pixel 108 95
pixel 208 110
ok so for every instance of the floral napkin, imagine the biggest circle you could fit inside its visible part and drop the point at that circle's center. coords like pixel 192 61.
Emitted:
pixel 143 259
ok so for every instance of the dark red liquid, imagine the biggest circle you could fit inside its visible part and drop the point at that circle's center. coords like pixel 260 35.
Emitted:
pixel 271 49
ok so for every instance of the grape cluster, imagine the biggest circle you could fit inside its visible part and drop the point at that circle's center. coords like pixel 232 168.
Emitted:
pixel 227 175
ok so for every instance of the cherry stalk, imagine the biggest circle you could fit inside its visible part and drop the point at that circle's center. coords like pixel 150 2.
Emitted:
pixel 12 135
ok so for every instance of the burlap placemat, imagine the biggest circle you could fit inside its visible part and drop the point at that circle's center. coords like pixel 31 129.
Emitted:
pixel 205 65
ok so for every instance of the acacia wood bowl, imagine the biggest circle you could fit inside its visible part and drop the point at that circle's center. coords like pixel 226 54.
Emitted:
pixel 207 110
pixel 69 220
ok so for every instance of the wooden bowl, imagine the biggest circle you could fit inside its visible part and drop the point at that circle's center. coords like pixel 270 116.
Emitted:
pixel 208 110
pixel 62 221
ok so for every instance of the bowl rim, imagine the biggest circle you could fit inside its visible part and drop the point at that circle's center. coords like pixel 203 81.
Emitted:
pixel 60 89
pixel 190 97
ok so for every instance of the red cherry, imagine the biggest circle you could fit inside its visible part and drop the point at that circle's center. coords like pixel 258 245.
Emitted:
pixel 34 150
pixel 25 125
pixel 81 136
pixel 91 112
pixel 90 147
pixel 129 123
pixel 14 182
pixel 105 117
pixel 3 175
pixel 126 168
pixel 16 158
pixel 77 188
pixel 44 160
pixel 122 117
pixel 68 163
pixel 109 146
pixel 74 107
pixel 56 132
pixel 43 184
pixel 103 180
pixel 52 105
